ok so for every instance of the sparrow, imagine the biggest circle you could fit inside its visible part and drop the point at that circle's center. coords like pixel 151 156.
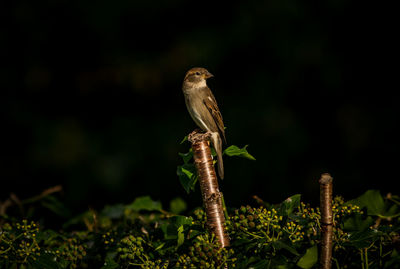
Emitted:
pixel 204 110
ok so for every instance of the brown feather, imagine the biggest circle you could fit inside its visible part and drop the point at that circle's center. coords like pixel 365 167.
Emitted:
pixel 212 106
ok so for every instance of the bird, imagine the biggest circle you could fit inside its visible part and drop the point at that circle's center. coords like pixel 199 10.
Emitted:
pixel 203 109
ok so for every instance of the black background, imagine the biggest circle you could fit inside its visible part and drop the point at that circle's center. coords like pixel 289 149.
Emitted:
pixel 91 96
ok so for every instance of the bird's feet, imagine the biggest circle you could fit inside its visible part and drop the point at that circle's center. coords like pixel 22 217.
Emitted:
pixel 198 135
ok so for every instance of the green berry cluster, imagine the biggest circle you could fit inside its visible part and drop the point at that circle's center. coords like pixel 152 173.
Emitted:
pixel 310 219
pixel 205 253
pixel 69 249
pixel 131 248
pixel 18 242
pixel 265 223
pixel 133 251
pixel 200 216
pixel 341 210
pixel 108 239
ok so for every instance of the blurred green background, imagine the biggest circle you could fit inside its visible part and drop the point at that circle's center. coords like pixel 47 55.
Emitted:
pixel 91 96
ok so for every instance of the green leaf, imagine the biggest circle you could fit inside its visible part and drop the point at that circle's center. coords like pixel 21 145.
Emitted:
pixel 280 245
pixel 184 140
pixel 187 176
pixel 241 152
pixel 46 260
pixel 53 204
pixel 181 236
pixel 181 220
pixel 364 239
pixel 392 212
pixel 187 156
pixel 177 205
pixel 259 265
pixel 114 212
pixel 110 264
pixel 357 223
pixel 159 247
pixel 169 231
pixel 309 259
pixel 145 203
pixel 287 206
pixel 372 200
pixel 170 228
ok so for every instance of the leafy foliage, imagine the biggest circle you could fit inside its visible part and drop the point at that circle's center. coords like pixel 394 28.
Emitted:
pixel 143 235
pixel 187 172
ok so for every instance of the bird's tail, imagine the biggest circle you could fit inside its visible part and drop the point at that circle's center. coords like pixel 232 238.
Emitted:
pixel 217 143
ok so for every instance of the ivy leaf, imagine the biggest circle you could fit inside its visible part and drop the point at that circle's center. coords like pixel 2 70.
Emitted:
pixel 375 204
pixel 280 245
pixel 181 220
pixel 241 152
pixel 309 259
pixel 46 260
pixel 287 206
pixel 181 236
pixel 357 223
pixel 187 176
pixel 187 156
pixel 365 238
pixel 372 200
pixel 171 228
pixel 145 203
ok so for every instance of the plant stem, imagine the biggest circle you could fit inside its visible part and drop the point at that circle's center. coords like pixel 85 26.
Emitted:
pixel 337 263
pixel 362 259
pixel 209 186
pixel 326 220
pixel 224 206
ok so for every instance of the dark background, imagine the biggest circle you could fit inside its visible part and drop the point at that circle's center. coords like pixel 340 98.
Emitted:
pixel 91 96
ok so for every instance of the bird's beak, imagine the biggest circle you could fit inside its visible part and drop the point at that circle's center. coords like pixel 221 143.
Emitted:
pixel 208 75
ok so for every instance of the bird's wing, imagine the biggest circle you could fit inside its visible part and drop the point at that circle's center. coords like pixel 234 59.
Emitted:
pixel 212 106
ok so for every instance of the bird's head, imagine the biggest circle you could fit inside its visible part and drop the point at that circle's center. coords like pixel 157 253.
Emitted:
pixel 197 75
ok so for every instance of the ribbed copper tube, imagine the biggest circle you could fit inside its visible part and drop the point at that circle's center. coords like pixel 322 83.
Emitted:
pixel 326 220
pixel 209 186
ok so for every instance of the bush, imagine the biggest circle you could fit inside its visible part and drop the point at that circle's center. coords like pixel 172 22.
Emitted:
pixel 143 235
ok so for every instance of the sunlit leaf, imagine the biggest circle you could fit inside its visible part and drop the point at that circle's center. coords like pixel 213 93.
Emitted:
pixel 181 236
pixel 241 152
pixel 184 140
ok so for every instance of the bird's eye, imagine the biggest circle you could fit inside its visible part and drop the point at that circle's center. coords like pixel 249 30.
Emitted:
pixel 197 73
